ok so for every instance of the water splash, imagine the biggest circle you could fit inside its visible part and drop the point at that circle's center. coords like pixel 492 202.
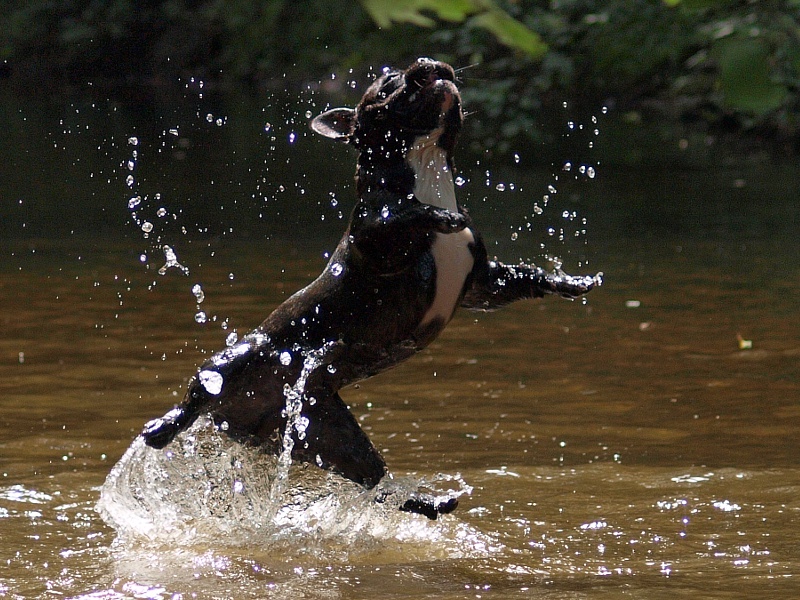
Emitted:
pixel 171 261
pixel 207 490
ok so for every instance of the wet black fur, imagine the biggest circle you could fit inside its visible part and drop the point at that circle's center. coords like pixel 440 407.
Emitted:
pixel 367 306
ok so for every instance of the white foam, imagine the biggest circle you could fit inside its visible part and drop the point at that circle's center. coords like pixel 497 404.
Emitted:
pixel 206 490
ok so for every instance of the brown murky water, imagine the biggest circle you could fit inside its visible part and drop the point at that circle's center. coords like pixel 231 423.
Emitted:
pixel 632 446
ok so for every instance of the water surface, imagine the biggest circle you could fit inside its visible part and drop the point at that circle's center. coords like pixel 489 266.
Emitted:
pixel 640 444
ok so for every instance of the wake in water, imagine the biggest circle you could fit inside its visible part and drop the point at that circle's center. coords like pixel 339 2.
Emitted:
pixel 206 489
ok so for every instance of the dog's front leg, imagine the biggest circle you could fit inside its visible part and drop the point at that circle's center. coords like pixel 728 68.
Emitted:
pixel 495 284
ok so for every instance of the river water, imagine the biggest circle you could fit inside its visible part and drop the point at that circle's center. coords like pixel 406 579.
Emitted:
pixel 641 444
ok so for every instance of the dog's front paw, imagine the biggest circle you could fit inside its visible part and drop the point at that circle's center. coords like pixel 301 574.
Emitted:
pixel 570 286
pixel 160 432
pixel 430 506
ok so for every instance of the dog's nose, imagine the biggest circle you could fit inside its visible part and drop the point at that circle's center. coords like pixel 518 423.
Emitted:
pixel 426 71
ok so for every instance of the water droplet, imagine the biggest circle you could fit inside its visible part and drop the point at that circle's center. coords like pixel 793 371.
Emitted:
pixel 309 114
pixel 514 236
pixel 460 181
pixel 231 276
pixel 131 165
pixel 210 118
pixel 336 269
pixel 220 122
pixel 211 381
pixel 129 180
pixel 285 358
pixel 267 127
pixel 551 189
pixel 198 292
pixel 537 209
pixel 590 172
pixel 162 212
pixel 567 166
pixel 516 158
pixel 134 202
pixel 143 258
pixel 385 212
pixel 500 187
pixel 172 261
pixel 133 141
pixel 604 110
pixel 331 369
pixel 238 487
pixel 201 317
pixel 292 137
pixel 147 227
pixel 174 131
pixel 231 339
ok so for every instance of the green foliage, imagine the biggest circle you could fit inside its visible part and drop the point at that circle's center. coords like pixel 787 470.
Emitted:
pixel 483 14
pixel 745 76
pixel 510 32
pixel 713 62
pixel 386 12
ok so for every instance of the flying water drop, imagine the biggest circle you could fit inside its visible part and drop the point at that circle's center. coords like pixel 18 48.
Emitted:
pixel 211 381
pixel 172 261
pixel 198 292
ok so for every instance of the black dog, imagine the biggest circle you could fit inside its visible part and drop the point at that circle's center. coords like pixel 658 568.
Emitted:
pixel 408 259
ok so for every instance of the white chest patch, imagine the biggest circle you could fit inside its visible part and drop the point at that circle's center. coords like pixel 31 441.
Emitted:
pixel 451 254
pixel 453 260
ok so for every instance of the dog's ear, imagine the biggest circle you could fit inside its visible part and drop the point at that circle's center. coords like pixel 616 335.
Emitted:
pixel 337 123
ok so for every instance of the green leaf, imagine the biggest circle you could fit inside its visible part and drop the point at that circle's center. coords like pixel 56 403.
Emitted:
pixel 488 15
pixel 744 76
pixel 511 32
pixel 386 12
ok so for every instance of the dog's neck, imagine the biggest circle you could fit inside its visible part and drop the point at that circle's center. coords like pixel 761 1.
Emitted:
pixel 433 174
pixel 424 171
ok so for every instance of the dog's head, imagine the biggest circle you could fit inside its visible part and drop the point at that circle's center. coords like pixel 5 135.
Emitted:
pixel 399 109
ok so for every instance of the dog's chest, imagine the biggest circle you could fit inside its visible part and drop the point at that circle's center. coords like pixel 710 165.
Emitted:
pixel 453 260
pixel 452 254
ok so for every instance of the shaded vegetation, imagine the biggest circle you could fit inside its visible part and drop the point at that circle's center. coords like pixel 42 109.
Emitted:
pixel 714 65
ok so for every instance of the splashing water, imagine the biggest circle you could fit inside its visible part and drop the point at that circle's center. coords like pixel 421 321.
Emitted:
pixel 205 488
pixel 172 261
pixel 295 421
